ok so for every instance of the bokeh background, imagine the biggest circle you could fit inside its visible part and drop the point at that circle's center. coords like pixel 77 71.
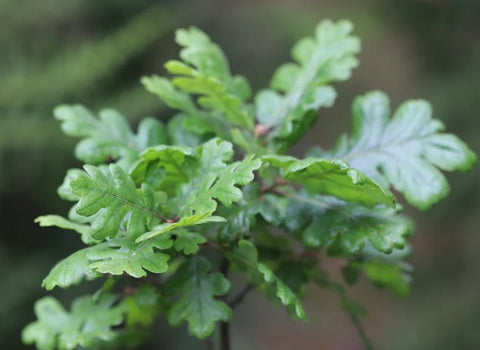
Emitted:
pixel 93 52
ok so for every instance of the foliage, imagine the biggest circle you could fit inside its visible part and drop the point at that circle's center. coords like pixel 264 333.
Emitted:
pixel 183 205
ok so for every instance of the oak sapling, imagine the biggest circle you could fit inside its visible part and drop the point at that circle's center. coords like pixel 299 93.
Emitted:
pixel 168 213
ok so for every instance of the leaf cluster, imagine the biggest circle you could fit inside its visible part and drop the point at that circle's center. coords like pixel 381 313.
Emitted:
pixel 179 207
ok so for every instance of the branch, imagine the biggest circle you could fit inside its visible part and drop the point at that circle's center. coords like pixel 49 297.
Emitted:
pixel 225 336
pixel 241 296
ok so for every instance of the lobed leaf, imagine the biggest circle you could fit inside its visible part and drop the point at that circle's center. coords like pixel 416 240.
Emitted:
pixel 196 288
pixel 345 229
pixel 115 257
pixel 188 242
pixel 120 256
pixel 332 177
pixel 404 151
pixel 205 178
pixel 328 57
pixel 58 221
pixel 69 271
pixel 111 198
pixel 109 137
pixel 88 322
pixel 245 257
pixel 390 274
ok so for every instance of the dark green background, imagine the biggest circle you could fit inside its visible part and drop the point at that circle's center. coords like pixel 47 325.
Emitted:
pixel 93 52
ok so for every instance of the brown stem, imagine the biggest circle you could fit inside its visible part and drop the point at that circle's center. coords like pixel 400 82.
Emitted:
pixel 273 187
pixel 225 336
pixel 209 343
pixel 241 296
pixel 167 220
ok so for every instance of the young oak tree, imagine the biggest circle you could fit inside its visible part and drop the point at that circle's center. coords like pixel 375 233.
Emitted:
pixel 169 212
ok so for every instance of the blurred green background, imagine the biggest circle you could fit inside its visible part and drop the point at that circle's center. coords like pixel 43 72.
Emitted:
pixel 93 52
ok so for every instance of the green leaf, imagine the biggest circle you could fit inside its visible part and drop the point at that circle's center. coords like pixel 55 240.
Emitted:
pixel 332 177
pixel 187 242
pixel 345 229
pixel 214 95
pixel 404 151
pixel 196 288
pixel 328 57
pixel 142 307
pixel 84 326
pixel 209 60
pixel 109 137
pixel 163 167
pixel 115 257
pixel 245 257
pixel 120 256
pixel 181 133
pixel 205 73
pixel 392 275
pixel 58 221
pixel 171 96
pixel 202 176
pixel 112 198
pixel 295 274
pixel 71 270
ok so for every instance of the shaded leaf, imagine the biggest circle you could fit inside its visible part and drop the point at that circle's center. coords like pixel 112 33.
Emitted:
pixel 196 288
pixel 245 257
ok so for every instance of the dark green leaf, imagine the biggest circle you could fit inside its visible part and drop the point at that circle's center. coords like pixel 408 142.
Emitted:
pixel 245 257
pixel 196 288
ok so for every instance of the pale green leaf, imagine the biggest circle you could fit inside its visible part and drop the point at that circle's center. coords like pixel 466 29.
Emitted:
pixel 69 271
pixel 58 221
pixel 188 242
pixel 327 57
pixel 109 137
pixel 403 151
pixel 88 322
pixel 214 95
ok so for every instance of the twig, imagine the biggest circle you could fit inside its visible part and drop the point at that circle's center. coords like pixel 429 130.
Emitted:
pixel 273 187
pixel 361 331
pixel 225 336
pixel 241 296
pixel 209 343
